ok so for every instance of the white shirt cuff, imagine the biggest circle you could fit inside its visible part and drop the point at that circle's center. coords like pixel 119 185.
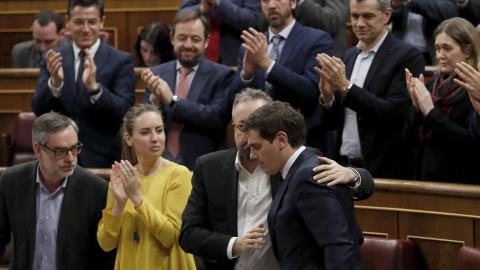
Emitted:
pixel 245 81
pixel 327 105
pixel 230 255
pixel 94 98
pixel 269 69
pixel 56 92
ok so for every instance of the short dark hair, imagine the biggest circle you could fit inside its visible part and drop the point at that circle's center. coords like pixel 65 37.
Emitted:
pixel 45 17
pixel 85 3
pixel 278 116
pixel 191 15
pixel 158 35
pixel 50 123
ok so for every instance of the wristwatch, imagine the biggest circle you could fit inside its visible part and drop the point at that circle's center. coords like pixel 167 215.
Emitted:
pixel 94 92
pixel 345 91
pixel 174 100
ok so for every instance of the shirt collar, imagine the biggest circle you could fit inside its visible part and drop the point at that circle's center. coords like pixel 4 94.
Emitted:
pixel 40 182
pixel 377 46
pixel 284 33
pixel 291 160
pixel 93 49
pixel 179 65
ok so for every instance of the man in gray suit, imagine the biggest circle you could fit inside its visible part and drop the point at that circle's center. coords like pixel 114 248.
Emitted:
pixel 51 206
pixel 47 31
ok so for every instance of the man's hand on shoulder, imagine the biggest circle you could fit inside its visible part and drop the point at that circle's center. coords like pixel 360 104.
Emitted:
pixel 333 173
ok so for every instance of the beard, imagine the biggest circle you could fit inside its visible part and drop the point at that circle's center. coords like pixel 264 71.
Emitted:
pixel 244 151
pixel 281 18
pixel 189 63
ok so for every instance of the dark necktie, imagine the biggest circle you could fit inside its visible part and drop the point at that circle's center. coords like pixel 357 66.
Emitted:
pixel 81 68
pixel 274 55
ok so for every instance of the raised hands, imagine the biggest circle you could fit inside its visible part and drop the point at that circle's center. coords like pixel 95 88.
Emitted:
pixel 333 71
pixel 333 173
pixel 472 82
pixel 89 74
pixel 125 185
pixel 421 98
pixel 160 90
pixel 54 67
pixel 116 187
pixel 253 239
pixel 257 48
pixel 326 89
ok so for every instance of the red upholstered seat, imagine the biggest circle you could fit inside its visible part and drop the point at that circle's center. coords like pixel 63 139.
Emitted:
pixel 392 254
pixel 22 148
pixel 468 258
pixel 106 37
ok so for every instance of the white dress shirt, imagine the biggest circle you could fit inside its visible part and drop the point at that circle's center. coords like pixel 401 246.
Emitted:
pixel 291 160
pixel 254 201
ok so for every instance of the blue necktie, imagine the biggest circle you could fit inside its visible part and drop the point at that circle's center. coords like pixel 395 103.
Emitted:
pixel 81 68
pixel 274 55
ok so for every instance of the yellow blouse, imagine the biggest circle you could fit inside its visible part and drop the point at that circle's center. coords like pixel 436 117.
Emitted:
pixel 158 221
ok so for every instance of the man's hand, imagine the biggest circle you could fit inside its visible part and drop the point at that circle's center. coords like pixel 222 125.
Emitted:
pixel 257 45
pixel 206 6
pixel 334 172
pixel 333 70
pixel 251 240
pixel 326 89
pixel 249 65
pixel 89 74
pixel 54 67
pixel 160 89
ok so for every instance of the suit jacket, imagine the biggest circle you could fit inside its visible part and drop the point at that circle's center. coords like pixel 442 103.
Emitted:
pixel 203 113
pixel 236 16
pixel 471 12
pixel 326 15
pixel 313 226
pixel 210 218
pixel 99 122
pixel 381 107
pixel 83 202
pixel 25 54
pixel 293 77
pixel 433 11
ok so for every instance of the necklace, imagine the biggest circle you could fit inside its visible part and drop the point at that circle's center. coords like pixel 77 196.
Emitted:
pixel 136 235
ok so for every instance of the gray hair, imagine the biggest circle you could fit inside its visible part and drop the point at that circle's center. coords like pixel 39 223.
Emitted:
pixel 50 123
pixel 383 5
pixel 250 94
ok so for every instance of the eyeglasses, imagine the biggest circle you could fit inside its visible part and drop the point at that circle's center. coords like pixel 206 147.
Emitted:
pixel 63 152
pixel 238 126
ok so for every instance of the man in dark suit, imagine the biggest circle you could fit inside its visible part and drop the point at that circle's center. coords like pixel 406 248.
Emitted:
pixel 192 91
pixel 47 32
pixel 229 18
pixel 311 226
pixel 369 109
pixel 281 62
pixel 52 206
pixel 89 81
pixel 232 194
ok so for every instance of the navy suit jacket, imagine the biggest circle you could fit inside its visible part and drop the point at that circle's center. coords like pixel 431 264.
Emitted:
pixel 236 16
pixel 210 218
pixel 293 77
pixel 313 226
pixel 203 113
pixel 381 106
pixel 81 210
pixel 99 122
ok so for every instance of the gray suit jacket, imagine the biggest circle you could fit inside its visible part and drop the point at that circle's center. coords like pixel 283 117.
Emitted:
pixel 77 246
pixel 25 54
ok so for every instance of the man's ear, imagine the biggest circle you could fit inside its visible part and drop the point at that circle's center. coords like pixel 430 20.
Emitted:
pixel 282 139
pixel 37 148
pixel 172 40
pixel 207 40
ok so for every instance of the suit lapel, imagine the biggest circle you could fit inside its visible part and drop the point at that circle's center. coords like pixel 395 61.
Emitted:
pixel 230 175
pixel 30 207
pixel 170 75
pixel 275 182
pixel 350 62
pixel 290 43
pixel 378 59
pixel 199 81
pixel 67 213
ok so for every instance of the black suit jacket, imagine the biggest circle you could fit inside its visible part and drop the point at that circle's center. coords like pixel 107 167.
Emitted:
pixel 381 106
pixel 313 226
pixel 210 218
pixel 83 202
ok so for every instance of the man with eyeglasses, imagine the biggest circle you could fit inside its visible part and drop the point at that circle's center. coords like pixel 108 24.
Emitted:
pixel 89 81
pixel 225 220
pixel 52 206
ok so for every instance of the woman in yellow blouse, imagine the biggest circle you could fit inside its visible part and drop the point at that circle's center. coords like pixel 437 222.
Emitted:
pixel 142 218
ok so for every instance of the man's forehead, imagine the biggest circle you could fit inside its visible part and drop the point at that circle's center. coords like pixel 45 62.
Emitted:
pixel 194 27
pixel 85 13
